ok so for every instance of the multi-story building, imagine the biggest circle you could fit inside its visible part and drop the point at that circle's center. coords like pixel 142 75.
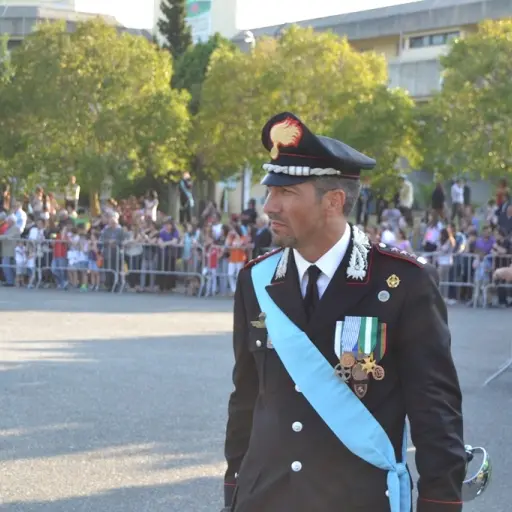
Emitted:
pixel 411 36
pixel 17 21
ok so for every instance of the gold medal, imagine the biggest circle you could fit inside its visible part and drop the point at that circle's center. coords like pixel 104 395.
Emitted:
pixel 393 281
pixel 358 373
pixel 378 373
pixel 360 390
pixel 347 360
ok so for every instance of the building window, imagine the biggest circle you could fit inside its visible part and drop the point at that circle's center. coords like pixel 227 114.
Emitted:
pixel 432 39
pixel 13 43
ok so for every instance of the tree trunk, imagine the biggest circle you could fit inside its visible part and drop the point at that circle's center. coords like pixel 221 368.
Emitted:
pixel 173 201
pixel 94 203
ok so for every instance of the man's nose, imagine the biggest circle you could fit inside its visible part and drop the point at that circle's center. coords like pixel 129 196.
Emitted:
pixel 271 205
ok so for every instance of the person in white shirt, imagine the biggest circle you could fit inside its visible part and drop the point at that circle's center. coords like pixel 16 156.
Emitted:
pixel 72 194
pixel 406 199
pixel 457 194
pixel 21 217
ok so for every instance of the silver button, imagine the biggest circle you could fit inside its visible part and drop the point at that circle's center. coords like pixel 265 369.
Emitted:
pixel 258 343
pixel 382 245
pixel 296 466
pixel 387 494
pixel 297 389
pixel 297 426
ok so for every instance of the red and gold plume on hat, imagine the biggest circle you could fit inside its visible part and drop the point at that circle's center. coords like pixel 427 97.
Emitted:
pixel 285 133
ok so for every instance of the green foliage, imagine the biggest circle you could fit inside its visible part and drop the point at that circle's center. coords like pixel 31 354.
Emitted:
pixel 468 127
pixel 192 66
pixel 94 103
pixel 174 28
pixel 383 125
pixel 315 75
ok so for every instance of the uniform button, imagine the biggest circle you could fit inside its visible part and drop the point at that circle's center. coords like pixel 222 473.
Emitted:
pixel 387 494
pixel 297 389
pixel 297 426
pixel 382 245
pixel 296 466
pixel 258 343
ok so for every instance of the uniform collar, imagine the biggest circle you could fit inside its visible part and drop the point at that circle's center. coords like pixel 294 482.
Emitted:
pixel 330 261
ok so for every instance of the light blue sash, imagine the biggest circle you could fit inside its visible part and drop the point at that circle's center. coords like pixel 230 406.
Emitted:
pixel 331 398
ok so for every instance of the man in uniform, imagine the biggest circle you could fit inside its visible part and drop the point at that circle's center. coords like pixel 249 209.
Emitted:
pixel 336 342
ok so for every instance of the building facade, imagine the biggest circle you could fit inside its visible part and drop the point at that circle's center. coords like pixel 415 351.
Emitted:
pixel 17 21
pixel 411 36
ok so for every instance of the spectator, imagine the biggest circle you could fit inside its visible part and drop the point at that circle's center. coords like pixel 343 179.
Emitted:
pixel 387 234
pixel 249 216
pixel 262 239
pixel 363 202
pixel 186 198
pixel 402 243
pixel 439 199
pixel 9 241
pixel 151 205
pixel 501 192
pixel 505 218
pixel 133 253
pixel 94 262
pixel 467 195
pixel 445 259
pixel 235 244
pixel 168 240
pixel 406 199
pixel 72 194
pixel 432 234
pixel 457 194
pixel 111 240
pixel 491 217
pixel 150 236
pixel 21 217
pixel 485 242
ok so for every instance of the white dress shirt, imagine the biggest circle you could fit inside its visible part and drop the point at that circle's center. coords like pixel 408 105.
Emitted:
pixel 328 264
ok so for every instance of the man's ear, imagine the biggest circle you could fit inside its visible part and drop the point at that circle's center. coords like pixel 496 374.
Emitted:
pixel 335 201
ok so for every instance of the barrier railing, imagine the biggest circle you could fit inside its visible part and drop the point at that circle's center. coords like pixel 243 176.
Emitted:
pixel 203 271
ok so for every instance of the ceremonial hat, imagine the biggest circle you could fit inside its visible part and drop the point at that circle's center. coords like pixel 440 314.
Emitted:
pixel 298 155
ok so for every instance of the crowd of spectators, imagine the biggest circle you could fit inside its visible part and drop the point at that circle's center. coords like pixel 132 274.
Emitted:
pixel 470 249
pixel 133 246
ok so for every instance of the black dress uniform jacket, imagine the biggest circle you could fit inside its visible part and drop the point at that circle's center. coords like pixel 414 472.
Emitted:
pixel 272 427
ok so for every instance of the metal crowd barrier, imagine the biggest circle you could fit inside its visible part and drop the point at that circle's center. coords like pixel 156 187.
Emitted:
pixel 148 267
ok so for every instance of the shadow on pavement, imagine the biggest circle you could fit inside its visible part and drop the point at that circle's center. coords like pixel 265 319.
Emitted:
pixel 176 497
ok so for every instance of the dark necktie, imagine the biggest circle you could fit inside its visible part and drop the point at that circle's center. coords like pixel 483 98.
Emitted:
pixel 312 298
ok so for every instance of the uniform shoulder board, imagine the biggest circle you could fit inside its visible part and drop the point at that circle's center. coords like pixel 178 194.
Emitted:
pixel 394 252
pixel 253 262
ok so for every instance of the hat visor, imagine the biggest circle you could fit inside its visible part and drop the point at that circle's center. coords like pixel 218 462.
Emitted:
pixel 279 179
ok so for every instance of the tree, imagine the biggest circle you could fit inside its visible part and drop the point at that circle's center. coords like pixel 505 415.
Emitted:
pixel 468 125
pixel 192 67
pixel 90 102
pixel 315 75
pixel 174 28
pixel 384 126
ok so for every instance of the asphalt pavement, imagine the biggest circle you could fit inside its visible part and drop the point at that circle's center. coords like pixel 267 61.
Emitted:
pixel 115 403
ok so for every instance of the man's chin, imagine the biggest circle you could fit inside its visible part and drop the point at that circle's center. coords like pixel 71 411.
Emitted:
pixel 284 240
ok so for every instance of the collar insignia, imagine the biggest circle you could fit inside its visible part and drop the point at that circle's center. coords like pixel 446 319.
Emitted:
pixel 358 264
pixel 282 266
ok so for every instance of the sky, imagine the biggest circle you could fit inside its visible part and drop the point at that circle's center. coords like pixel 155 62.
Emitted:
pixel 251 13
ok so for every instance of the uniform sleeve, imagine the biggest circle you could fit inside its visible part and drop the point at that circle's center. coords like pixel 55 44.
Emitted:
pixel 242 399
pixel 432 397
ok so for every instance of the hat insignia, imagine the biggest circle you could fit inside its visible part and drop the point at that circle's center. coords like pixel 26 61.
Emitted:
pixel 286 133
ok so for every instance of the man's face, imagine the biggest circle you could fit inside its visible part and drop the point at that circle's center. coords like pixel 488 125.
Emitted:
pixel 486 232
pixel 295 212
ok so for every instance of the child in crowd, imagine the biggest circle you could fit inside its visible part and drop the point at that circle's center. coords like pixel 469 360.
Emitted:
pixel 93 262
pixel 20 256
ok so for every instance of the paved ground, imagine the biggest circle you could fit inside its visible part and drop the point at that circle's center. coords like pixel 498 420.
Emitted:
pixel 117 403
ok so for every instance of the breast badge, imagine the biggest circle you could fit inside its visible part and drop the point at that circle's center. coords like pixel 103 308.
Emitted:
pixel 360 344
pixel 260 323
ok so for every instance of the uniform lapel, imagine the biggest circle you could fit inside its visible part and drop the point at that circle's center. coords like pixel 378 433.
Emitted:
pixel 285 292
pixel 344 291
